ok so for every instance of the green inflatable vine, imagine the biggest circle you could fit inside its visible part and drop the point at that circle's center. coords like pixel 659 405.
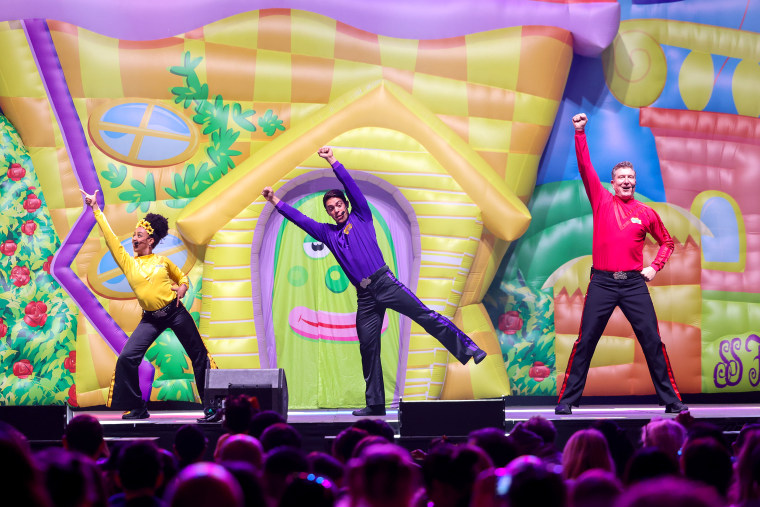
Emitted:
pixel 222 122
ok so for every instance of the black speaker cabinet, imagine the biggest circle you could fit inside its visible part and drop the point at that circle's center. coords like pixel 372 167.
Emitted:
pixel 269 386
pixel 449 417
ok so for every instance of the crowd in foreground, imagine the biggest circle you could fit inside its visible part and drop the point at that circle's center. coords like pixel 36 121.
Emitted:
pixel 260 461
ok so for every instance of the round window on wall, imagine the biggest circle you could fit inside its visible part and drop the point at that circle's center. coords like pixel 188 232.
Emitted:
pixel 142 132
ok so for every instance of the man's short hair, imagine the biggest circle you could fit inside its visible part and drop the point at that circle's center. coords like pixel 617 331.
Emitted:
pixel 190 443
pixel 84 434
pixel 622 165
pixel 139 466
pixel 334 193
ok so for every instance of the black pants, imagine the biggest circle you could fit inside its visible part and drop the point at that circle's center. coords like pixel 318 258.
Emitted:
pixel 387 292
pixel 632 295
pixel 126 387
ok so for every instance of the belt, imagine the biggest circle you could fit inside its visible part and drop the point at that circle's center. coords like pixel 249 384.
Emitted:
pixel 366 282
pixel 617 275
pixel 161 312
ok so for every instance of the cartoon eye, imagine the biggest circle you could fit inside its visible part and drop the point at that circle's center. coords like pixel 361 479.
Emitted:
pixel 315 249
pixel 336 280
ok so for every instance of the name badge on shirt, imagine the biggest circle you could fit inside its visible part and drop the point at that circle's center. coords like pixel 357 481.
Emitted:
pixel 636 220
pixel 348 229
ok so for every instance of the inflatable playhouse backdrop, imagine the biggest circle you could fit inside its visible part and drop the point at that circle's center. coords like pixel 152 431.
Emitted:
pixel 454 121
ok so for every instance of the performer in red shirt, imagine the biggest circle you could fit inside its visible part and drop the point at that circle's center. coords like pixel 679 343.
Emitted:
pixel 617 279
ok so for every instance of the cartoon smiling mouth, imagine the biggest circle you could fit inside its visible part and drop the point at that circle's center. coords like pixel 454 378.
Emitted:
pixel 331 326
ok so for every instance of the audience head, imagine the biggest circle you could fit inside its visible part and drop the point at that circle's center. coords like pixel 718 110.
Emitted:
pixel 383 476
pixel 280 465
pixel 71 478
pixel 669 492
pixel 707 430
pixel 449 473
pixel 168 469
pixel 263 420
pixel 84 434
pixel 595 488
pixel 664 434
pixel 376 427
pixel 495 443
pixel 243 448
pixel 367 442
pixel 205 484
pixel 344 444
pixel 529 482
pixel 747 484
pixel 280 434
pixel 140 468
pixel 525 442
pixel 649 463
pixel 249 481
pixel 308 489
pixel 707 461
pixel 28 490
pixel 620 445
pixel 238 412
pixel 586 450
pixel 542 427
pixel 189 444
pixel 746 433
pixel 324 465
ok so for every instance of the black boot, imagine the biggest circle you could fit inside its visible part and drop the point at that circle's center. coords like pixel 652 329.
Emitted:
pixel 370 410
pixel 211 415
pixel 140 412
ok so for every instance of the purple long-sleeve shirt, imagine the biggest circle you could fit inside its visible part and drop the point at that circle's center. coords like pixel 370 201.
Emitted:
pixel 354 243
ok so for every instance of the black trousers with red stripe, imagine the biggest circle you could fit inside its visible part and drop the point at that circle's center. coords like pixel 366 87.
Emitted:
pixel 632 296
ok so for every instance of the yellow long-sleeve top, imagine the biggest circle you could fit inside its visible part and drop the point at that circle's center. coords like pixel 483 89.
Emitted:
pixel 150 276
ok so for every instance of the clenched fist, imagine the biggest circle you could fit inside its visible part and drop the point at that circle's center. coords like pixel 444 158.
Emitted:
pixel 579 121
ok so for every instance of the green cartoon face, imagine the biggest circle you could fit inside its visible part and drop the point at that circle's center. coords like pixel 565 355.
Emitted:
pixel 314 316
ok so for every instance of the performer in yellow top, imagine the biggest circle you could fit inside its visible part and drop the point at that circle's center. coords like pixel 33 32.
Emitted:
pixel 159 286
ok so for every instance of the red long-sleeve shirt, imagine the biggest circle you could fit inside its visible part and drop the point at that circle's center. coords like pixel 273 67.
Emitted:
pixel 619 226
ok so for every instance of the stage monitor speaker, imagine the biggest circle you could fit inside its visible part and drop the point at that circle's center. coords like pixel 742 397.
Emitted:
pixel 269 386
pixel 449 417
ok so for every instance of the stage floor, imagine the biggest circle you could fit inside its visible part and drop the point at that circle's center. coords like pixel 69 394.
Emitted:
pixel 512 414
pixel 319 427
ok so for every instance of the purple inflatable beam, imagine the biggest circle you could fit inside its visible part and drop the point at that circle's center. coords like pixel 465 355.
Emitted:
pixel 53 80
pixel 593 23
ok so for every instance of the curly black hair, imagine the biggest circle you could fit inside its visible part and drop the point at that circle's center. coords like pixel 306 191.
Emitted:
pixel 160 226
pixel 334 193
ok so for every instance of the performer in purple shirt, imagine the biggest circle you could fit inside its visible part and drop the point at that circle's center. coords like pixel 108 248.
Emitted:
pixel 353 242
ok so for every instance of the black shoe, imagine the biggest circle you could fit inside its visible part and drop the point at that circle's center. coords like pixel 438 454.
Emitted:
pixel 210 415
pixel 676 407
pixel 370 410
pixel 136 413
pixel 479 356
pixel 563 409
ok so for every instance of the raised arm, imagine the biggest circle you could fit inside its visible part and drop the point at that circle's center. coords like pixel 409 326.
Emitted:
pixel 591 181
pixel 310 226
pixel 359 203
pixel 120 254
